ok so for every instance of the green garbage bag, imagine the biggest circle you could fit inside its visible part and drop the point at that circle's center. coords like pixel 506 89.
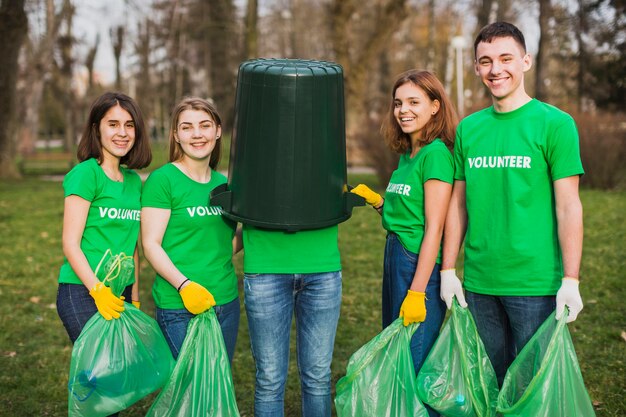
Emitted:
pixel 116 362
pixel 380 379
pixel 201 383
pixel 544 380
pixel 457 378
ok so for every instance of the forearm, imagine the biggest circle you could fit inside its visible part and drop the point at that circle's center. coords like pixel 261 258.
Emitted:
pixel 238 241
pixel 162 264
pixel 570 232
pixel 455 227
pixel 569 216
pixel 80 265
pixel 135 289
pixel 427 258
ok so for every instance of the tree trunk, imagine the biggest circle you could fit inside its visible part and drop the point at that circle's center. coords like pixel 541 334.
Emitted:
pixel 38 67
pixel 483 16
pixel 251 44
pixel 117 39
pixel 357 60
pixel 545 13
pixel 432 28
pixel 12 36
pixel 90 59
pixel 66 44
pixel 582 56
pixel 30 118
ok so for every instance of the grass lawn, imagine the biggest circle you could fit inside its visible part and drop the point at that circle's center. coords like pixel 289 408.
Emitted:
pixel 35 350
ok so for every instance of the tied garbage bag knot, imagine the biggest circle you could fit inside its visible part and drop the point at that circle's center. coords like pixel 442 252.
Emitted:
pixel 457 378
pixel 115 363
pixel 380 379
pixel 545 380
pixel 116 271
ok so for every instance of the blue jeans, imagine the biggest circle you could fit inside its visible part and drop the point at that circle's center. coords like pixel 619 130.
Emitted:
pixel 173 324
pixel 75 307
pixel 398 273
pixel 506 323
pixel 271 300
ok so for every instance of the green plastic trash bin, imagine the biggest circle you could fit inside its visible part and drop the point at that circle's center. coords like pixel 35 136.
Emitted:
pixel 288 151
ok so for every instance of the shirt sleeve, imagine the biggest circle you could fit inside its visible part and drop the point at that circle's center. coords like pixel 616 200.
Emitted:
pixel 81 181
pixel 459 161
pixel 438 165
pixel 157 191
pixel 563 152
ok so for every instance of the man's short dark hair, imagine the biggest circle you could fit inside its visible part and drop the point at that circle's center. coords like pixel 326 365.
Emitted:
pixel 499 30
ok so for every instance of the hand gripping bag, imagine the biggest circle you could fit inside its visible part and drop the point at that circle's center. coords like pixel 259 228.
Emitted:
pixel 457 378
pixel 116 362
pixel 201 383
pixel 380 379
pixel 545 380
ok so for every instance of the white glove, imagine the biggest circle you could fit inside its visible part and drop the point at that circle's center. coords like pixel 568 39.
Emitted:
pixel 568 295
pixel 451 286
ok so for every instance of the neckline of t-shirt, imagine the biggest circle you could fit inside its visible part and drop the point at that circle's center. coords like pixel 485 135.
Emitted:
pixel 191 179
pixel 421 151
pixel 514 113
pixel 122 170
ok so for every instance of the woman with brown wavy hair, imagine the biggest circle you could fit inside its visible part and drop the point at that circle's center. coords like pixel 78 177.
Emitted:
pixel 420 125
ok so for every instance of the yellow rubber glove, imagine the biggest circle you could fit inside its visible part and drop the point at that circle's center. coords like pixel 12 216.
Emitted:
pixel 371 197
pixel 196 298
pixel 109 306
pixel 413 308
pixel 137 304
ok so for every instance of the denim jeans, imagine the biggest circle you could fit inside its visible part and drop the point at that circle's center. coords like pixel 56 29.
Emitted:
pixel 506 323
pixel 398 273
pixel 271 301
pixel 75 307
pixel 173 324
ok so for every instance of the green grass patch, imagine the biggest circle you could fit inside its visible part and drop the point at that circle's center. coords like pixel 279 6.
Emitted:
pixel 35 350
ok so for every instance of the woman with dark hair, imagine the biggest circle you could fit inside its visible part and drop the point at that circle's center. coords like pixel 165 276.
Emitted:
pixel 190 244
pixel 420 126
pixel 102 208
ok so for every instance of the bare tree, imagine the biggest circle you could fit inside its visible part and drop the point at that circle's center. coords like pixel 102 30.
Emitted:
pixel 145 88
pixel 39 60
pixel 13 29
pixel 431 65
pixel 357 51
pixel 65 91
pixel 117 40
pixel 89 63
pixel 251 44
pixel 541 67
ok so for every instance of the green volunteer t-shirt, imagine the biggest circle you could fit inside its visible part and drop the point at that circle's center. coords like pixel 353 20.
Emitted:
pixel 509 162
pixel 198 239
pixel 113 218
pixel 268 251
pixel 404 211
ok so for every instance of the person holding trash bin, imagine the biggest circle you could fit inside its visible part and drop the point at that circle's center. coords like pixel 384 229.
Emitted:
pixel 287 273
pixel 101 212
pixel 188 243
pixel 515 202
pixel 420 126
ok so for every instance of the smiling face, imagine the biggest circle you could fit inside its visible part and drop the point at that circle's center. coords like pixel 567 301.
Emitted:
pixel 501 65
pixel 197 133
pixel 413 109
pixel 117 133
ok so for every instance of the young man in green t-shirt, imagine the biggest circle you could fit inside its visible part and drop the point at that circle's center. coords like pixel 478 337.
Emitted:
pixel 515 202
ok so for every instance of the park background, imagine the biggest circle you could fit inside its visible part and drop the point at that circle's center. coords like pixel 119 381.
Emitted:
pixel 58 55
